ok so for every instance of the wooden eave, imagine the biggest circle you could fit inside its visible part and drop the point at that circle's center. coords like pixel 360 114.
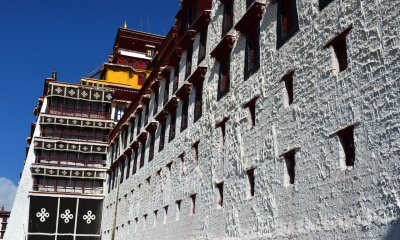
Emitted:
pixel 252 16
pixel 188 39
pixel 155 86
pixel 135 145
pixel 184 91
pixel 162 115
pixel 202 21
pixel 198 75
pixel 152 127
pixel 143 137
pixel 172 104
pixel 175 56
pixel 224 47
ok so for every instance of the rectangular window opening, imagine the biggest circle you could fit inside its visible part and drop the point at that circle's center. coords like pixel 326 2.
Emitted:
pixel 188 69
pixel 162 135
pixel 288 23
pixel 288 80
pixel 198 102
pixel 196 150
pixel 346 137
pixel 184 118
pixel 290 165
pixel 172 127
pixel 142 154
pixel 193 198
pixel 224 78
pixel 152 143
pixel 339 46
pixel 227 21
pixel 251 105
pixel 165 214
pixel 202 46
pixel 250 178
pixel 220 200
pixel 176 78
pixel 252 54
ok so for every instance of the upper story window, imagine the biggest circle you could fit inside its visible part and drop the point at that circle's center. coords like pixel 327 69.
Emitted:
pixel 189 55
pixel 184 118
pixel 176 78
pixel 224 78
pixel 202 46
pixel 288 23
pixel 150 50
pixel 198 102
pixel 191 13
pixel 252 54
pixel 156 96
pixel 324 3
pixel 227 21
pixel 162 135
pixel 166 89
pixel 119 112
pixel 172 127
pixel 139 122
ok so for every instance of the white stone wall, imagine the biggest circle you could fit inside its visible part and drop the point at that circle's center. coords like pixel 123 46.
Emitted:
pixel 17 227
pixel 327 200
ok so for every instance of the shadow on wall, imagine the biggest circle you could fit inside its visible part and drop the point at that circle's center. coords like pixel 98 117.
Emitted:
pixel 394 231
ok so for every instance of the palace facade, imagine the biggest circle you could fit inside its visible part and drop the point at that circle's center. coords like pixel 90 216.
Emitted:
pixel 256 119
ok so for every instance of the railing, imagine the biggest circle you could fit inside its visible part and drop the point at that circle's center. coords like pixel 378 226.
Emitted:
pixel 63 189
pixel 70 162
pixel 72 134
pixel 73 112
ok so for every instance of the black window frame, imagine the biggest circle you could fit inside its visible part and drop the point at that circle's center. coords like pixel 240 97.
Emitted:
pixel 198 102
pixel 224 70
pixel 202 46
pixel 227 20
pixel 282 37
pixel 252 44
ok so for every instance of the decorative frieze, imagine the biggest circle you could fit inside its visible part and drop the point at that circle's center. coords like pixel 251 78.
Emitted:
pixel 79 93
pixel 67 173
pixel 84 123
pixel 70 146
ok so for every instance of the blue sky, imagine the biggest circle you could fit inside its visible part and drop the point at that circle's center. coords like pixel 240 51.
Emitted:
pixel 74 37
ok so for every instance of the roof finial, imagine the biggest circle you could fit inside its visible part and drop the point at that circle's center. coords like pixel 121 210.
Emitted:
pixel 125 25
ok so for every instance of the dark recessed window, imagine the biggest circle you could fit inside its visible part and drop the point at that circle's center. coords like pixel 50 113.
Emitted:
pixel 346 137
pixel 139 122
pixel 198 102
pixel 166 90
pixel 142 154
pixel 132 132
pixel 135 158
pixel 146 114
pixel 109 182
pixel 220 199
pixel 196 150
pixel 250 178
pixel 128 165
pixel 288 23
pixel 288 80
pixel 290 165
pixel 152 142
pixel 188 69
pixel 155 107
pixel 324 3
pixel 193 198
pixel 122 171
pixel 252 54
pixel 202 46
pixel 184 118
pixel 227 21
pixel 172 127
pixel 339 45
pixel 224 78
pixel 222 126
pixel 162 135
pixel 176 78
pixel 119 112
pixel 251 105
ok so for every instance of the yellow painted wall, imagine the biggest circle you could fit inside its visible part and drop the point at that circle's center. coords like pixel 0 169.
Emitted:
pixel 121 75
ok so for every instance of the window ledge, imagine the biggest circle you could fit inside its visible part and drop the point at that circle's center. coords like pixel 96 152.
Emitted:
pixel 252 16
pixel 188 38
pixel 198 75
pixel 184 91
pixel 202 21
pixel 223 49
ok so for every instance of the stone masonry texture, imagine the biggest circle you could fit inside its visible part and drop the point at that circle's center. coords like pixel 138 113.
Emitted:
pixel 328 200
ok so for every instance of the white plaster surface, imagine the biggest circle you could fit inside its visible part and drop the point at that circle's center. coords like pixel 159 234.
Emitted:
pixel 327 201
